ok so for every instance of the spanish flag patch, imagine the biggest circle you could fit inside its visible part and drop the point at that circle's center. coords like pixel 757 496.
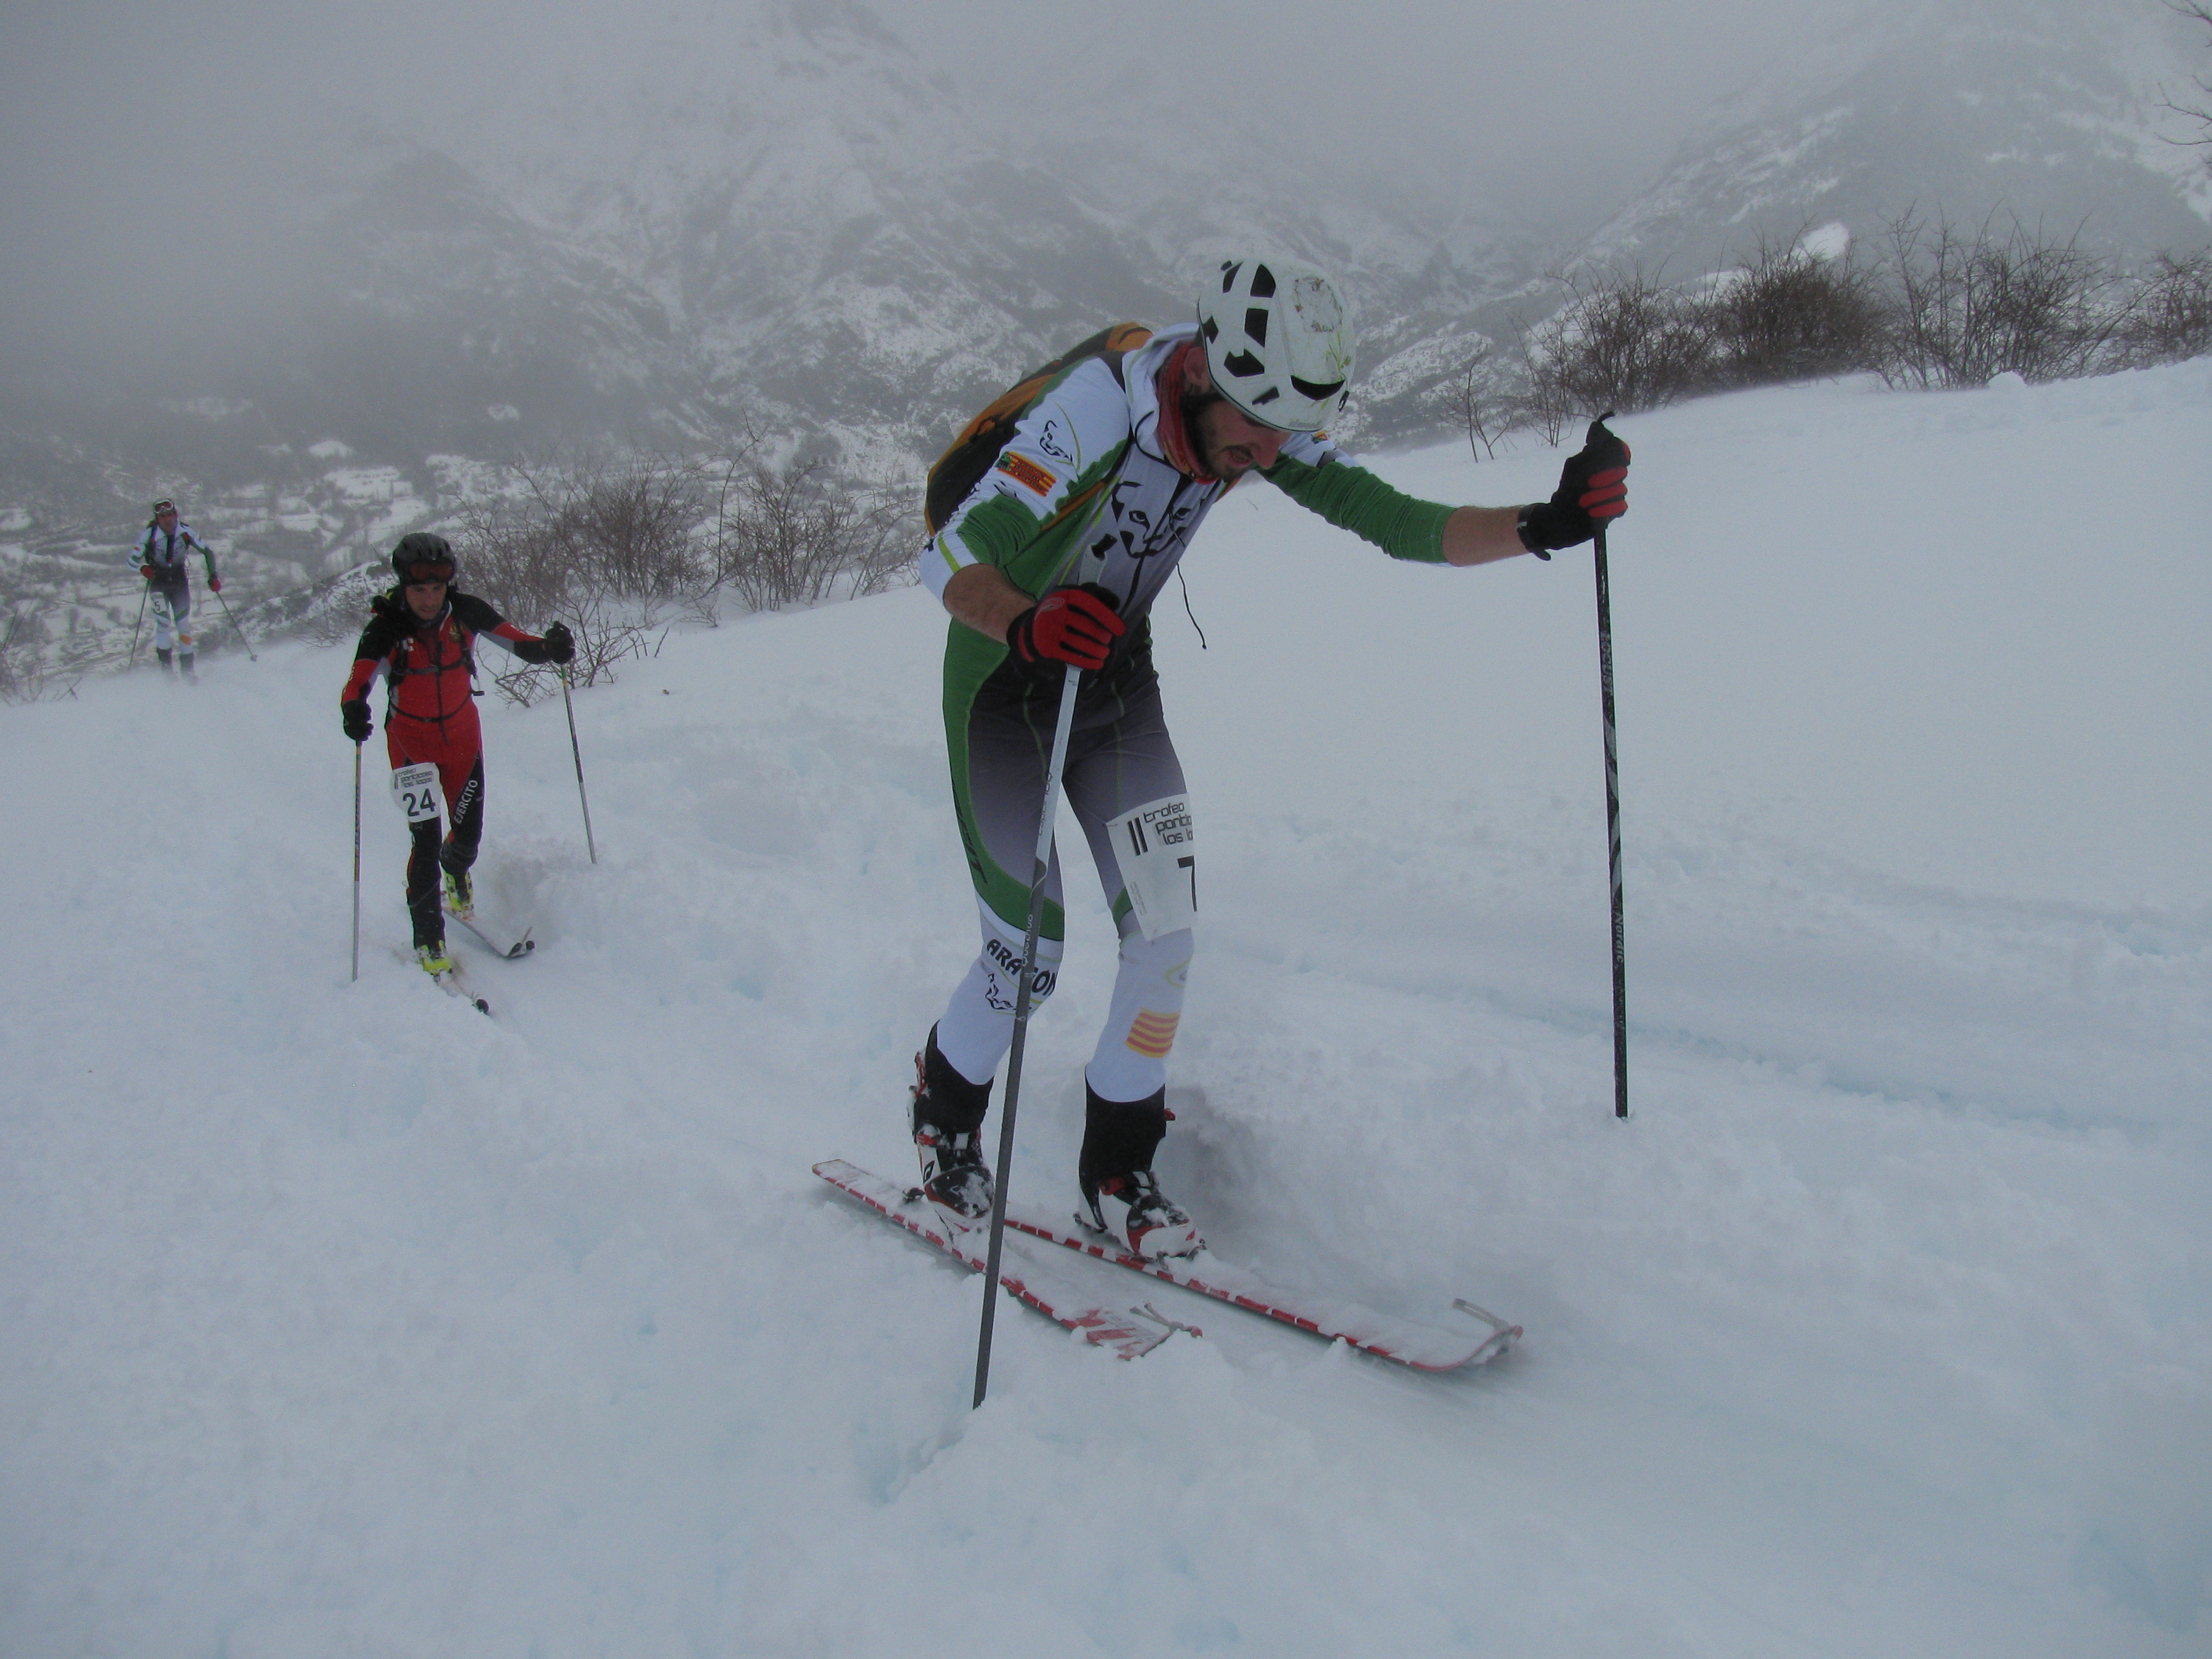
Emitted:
pixel 1023 470
pixel 1152 1034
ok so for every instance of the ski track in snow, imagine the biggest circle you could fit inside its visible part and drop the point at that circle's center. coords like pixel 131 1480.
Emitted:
pixel 342 1321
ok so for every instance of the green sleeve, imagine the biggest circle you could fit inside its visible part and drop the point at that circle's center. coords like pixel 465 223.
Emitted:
pixel 998 531
pixel 1352 498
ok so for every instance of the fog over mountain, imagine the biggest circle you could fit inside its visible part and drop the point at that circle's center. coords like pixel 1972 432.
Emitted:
pixel 248 248
pixel 2045 113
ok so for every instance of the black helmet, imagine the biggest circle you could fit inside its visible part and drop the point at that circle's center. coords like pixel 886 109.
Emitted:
pixel 422 558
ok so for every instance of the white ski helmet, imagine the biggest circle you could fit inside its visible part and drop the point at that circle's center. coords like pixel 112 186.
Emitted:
pixel 1279 340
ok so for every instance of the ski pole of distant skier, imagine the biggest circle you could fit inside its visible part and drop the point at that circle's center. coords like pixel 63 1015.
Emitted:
pixel 590 846
pixel 144 589
pixel 356 862
pixel 235 628
pixel 1612 835
pixel 1023 999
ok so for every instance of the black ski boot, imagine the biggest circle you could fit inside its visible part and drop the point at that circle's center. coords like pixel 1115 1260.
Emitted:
pixel 948 1122
pixel 1121 1196
pixel 163 658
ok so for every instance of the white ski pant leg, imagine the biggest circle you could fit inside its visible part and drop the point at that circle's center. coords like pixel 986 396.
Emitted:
pixel 1120 759
pixel 1131 1061
pixel 977 1026
pixel 172 609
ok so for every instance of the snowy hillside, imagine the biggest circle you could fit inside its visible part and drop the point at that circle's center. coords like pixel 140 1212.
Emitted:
pixel 342 1321
pixel 2046 113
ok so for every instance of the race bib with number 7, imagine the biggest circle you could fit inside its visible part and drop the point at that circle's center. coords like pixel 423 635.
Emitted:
pixel 415 788
pixel 1156 848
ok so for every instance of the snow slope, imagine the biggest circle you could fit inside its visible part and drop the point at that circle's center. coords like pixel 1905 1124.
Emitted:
pixel 341 1321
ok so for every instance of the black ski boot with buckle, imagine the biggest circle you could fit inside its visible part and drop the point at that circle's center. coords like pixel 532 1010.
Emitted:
pixel 948 1124
pixel 1121 1196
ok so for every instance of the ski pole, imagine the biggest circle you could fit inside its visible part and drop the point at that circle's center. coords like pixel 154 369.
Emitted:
pixel 356 862
pixel 1023 999
pixel 1613 835
pixel 235 628
pixel 144 588
pixel 589 845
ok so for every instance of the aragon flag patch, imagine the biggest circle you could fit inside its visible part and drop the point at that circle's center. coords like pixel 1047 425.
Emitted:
pixel 1023 470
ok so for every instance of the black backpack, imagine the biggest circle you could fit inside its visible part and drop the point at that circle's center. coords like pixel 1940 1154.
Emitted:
pixel 962 467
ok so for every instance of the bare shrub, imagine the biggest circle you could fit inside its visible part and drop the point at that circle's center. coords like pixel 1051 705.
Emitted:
pixel 1482 401
pixel 799 535
pixel 629 533
pixel 603 639
pixel 1967 310
pixel 2170 319
pixel 2197 11
pixel 25 674
pixel 1792 315
pixel 1622 342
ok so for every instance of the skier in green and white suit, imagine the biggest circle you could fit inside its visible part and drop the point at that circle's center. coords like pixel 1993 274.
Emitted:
pixel 1056 558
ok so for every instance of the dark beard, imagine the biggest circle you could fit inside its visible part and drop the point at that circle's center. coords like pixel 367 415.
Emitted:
pixel 1190 406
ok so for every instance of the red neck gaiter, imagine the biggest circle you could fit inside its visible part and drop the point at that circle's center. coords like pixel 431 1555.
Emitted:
pixel 1175 440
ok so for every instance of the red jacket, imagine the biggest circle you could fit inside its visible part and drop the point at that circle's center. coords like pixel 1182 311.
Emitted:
pixel 430 665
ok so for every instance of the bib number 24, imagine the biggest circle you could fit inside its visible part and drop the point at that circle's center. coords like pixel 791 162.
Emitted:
pixel 415 790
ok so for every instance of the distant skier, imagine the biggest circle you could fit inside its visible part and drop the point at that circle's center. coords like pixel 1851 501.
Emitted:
pixel 420 636
pixel 163 551
pixel 1055 557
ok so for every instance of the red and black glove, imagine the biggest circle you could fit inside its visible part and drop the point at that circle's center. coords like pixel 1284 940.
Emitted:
pixel 214 584
pixel 1077 625
pixel 147 571
pixel 1593 491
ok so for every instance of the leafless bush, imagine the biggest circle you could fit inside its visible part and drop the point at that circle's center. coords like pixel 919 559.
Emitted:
pixel 24 674
pixel 1482 401
pixel 1792 315
pixel 798 535
pixel 630 532
pixel 603 639
pixel 2170 319
pixel 1622 342
pixel 1966 310
pixel 2196 11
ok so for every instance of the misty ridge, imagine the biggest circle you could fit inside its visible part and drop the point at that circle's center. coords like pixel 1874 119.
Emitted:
pixel 750 270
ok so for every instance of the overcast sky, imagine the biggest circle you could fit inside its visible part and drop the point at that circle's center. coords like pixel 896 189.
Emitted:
pixel 136 115
pixel 143 134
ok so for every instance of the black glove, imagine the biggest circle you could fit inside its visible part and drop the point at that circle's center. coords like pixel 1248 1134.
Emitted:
pixel 1593 491
pixel 1077 625
pixel 357 719
pixel 560 644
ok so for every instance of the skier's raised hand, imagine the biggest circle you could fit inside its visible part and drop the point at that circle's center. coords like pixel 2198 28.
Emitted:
pixel 1077 625
pixel 1592 490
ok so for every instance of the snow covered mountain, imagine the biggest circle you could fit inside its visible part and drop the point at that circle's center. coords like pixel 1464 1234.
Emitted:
pixel 2047 113
pixel 779 220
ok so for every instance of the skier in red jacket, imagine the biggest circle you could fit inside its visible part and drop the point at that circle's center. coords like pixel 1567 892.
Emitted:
pixel 420 637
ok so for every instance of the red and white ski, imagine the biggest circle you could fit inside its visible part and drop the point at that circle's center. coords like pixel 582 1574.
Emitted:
pixel 1127 1331
pixel 1474 1338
